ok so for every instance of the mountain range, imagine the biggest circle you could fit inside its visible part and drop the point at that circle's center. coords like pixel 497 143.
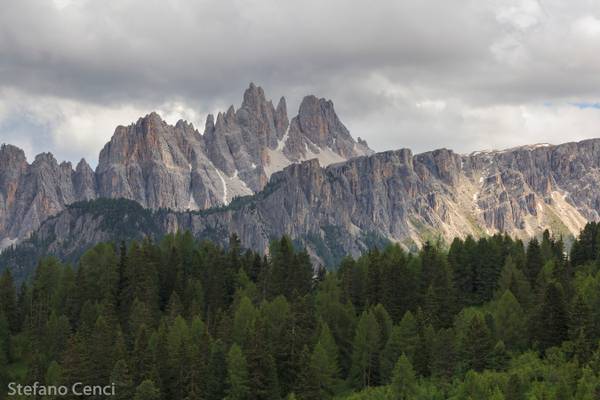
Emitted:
pixel 176 167
pixel 255 173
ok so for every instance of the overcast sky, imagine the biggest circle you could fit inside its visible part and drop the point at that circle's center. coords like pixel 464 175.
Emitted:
pixel 423 74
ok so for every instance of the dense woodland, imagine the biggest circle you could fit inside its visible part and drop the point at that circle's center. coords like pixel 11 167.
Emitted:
pixel 493 318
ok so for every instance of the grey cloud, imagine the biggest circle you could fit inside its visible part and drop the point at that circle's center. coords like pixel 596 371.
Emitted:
pixel 388 65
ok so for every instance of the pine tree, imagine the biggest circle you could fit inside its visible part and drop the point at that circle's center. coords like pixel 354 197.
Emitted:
pixel 477 344
pixel 100 351
pixel 121 377
pixel 587 385
pixel 397 282
pixel 384 322
pixel 237 375
pixel 4 343
pixel 444 354
pixel 461 259
pixel 244 322
pixel 199 353
pixel 580 328
pixel 147 390
pixel 178 361
pixel 327 340
pixel 174 307
pixel 217 372
pixel 75 361
pixel 325 370
pixel 374 277
pixel 404 382
pixel 141 356
pixel 8 301
pixel 54 374
pixel 499 357
pixel 307 385
pixel 365 351
pixel 56 336
pixel 510 321
pixel 264 384
pixel 513 279
pixel 403 339
pixel 422 358
pixel 587 247
pixel 440 297
pixel 514 388
pixel 534 262
pixel 552 326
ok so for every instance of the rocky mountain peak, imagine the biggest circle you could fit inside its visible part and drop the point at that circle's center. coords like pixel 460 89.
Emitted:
pixel 45 159
pixel 11 154
pixel 254 99
pixel 160 165
pixel 83 167
pixel 318 130
pixel 209 125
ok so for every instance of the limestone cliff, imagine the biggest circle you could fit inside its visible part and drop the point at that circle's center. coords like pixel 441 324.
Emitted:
pixel 396 196
pixel 175 167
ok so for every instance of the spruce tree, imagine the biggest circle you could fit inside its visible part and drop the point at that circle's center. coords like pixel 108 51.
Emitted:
pixel 121 378
pixel 307 385
pixel 100 351
pixel 263 381
pixel 141 356
pixel 403 339
pixel 534 261
pixel 444 357
pixel 244 321
pixel 147 390
pixel 514 388
pixel 365 352
pixel 552 320
pixel 237 375
pixel 510 321
pixel 325 370
pixel 8 301
pixel 216 384
pixel 477 345
pixel 404 382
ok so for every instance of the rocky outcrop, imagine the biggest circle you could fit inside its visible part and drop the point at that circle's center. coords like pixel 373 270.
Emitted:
pixel 31 193
pixel 347 207
pixel 159 166
pixel 175 167
pixel 317 129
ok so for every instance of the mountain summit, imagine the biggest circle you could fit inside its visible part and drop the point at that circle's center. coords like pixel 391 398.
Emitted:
pixel 176 167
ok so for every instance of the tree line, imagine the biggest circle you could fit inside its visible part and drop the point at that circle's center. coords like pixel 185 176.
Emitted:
pixel 489 318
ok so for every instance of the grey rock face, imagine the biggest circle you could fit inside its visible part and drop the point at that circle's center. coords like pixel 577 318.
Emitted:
pixel 317 128
pixel 84 181
pixel 30 193
pixel 410 199
pixel 157 164
pixel 346 207
pixel 238 143
pixel 163 166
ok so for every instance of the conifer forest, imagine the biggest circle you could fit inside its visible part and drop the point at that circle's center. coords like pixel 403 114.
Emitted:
pixel 490 318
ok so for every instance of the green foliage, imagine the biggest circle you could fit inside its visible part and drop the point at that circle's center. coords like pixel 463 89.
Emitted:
pixel 365 352
pixel 404 382
pixel 147 390
pixel 237 374
pixel 186 319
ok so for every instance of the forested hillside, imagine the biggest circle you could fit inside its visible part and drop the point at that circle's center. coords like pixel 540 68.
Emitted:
pixel 493 318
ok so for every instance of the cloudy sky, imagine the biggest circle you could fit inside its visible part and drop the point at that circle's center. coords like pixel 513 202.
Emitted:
pixel 424 74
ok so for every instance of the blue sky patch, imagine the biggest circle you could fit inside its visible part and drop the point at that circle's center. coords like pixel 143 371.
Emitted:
pixel 584 105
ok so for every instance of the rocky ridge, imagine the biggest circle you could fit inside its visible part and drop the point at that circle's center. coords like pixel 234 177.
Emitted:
pixel 347 207
pixel 175 167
